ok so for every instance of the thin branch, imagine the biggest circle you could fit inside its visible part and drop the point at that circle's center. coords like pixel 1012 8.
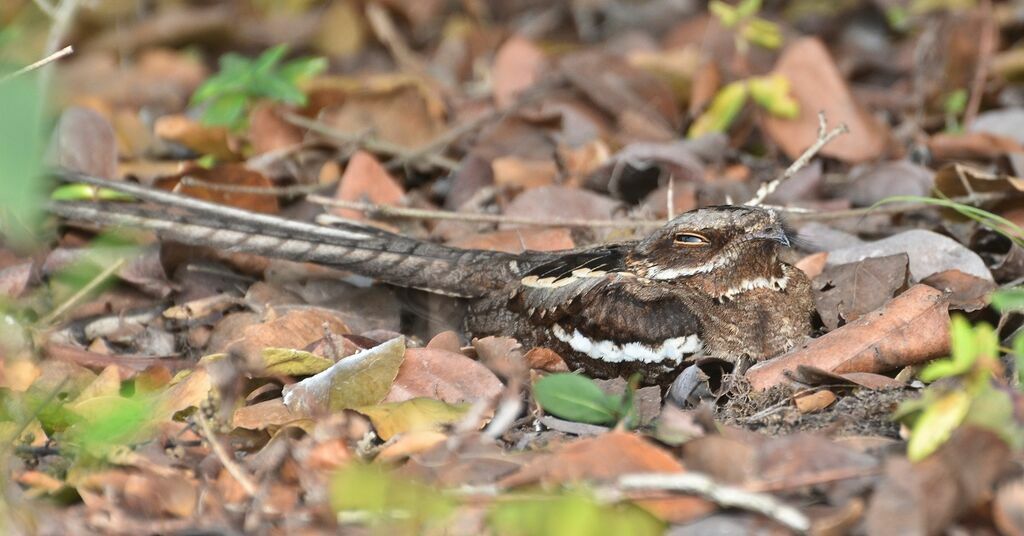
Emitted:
pixel 282 191
pixel 240 475
pixel 46 7
pixel 824 137
pixel 63 17
pixel 371 144
pixel 66 51
pixel 386 211
pixel 728 496
pixel 986 47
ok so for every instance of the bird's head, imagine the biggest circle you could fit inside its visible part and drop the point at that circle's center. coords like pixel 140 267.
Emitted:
pixel 712 239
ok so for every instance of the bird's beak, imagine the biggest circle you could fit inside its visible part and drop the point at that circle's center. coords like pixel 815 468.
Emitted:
pixel 775 233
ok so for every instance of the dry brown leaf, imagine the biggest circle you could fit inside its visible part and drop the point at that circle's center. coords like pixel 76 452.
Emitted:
pixel 84 141
pixel 519 240
pixel 518 64
pixel 546 359
pixel 215 141
pixel 446 376
pixel 845 292
pixel 597 459
pixel 965 292
pixel 515 172
pixel 228 174
pixel 1008 508
pixel 925 497
pixel 395 108
pixel 366 181
pixel 411 443
pixel 815 401
pixel 912 328
pixel 296 329
pixel 813 264
pixel 818 86
pixel 447 341
pixel 269 132
pixel 561 202
pixel 971 146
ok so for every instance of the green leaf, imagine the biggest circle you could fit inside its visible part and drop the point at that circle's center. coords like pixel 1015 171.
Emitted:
pixel 956 102
pixel 763 33
pixel 937 423
pixel 772 94
pixel 288 362
pixel 369 490
pixel 573 514
pixel 726 14
pixel 1009 300
pixel 965 351
pixel 363 379
pixel 727 104
pixel 301 69
pixel 109 422
pixel 576 398
pixel 267 61
pixel 413 415
pixel 748 8
pixel 226 110
pixel 86 192
pixel 22 181
pixel 277 89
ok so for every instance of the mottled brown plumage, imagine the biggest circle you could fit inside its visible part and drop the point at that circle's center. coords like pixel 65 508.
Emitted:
pixel 708 283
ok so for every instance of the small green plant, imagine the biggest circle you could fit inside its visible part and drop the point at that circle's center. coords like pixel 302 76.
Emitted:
pixel 770 92
pixel 954 106
pixel 242 81
pixel 974 396
pixel 22 180
pixel 577 398
pixel 748 28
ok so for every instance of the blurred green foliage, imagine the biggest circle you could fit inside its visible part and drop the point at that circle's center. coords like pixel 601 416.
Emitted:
pixel 241 82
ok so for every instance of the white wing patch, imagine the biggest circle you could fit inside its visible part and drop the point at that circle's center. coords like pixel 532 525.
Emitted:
pixel 674 349
pixel 553 282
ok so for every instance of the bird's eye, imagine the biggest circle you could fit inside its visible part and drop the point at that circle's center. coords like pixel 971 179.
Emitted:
pixel 690 239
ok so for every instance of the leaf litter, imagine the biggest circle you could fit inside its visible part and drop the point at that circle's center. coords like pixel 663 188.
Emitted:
pixel 194 390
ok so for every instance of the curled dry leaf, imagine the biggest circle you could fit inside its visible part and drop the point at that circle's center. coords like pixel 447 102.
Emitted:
pixel 815 401
pixel 845 292
pixel 362 379
pixel 446 376
pixel 912 328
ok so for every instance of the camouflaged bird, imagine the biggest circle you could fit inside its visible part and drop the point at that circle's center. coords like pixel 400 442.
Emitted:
pixel 708 283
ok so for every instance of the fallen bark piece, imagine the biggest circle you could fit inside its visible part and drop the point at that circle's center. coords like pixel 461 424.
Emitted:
pixel 912 328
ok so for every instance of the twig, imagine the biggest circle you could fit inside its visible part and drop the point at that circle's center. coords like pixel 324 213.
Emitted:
pixel 82 293
pixel 703 485
pixel 282 191
pixel 63 16
pixel 66 51
pixel 371 144
pixel 236 471
pixel 824 137
pixel 46 7
pixel 386 211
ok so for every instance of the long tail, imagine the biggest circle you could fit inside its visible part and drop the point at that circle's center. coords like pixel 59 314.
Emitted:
pixel 362 249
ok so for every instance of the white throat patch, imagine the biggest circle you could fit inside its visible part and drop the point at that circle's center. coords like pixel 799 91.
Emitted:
pixel 674 349
pixel 774 283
